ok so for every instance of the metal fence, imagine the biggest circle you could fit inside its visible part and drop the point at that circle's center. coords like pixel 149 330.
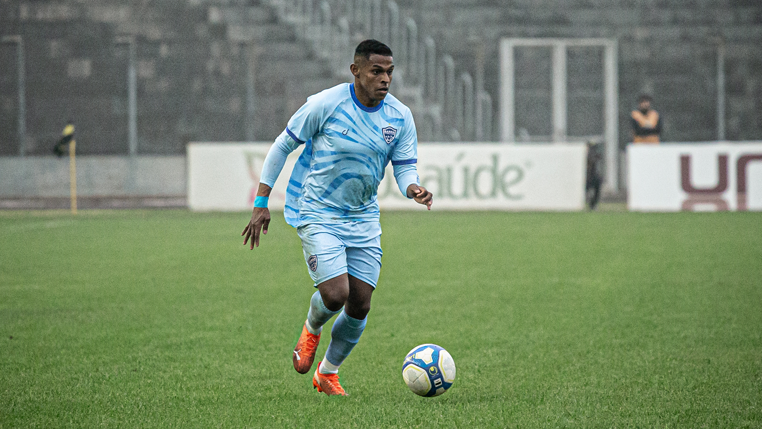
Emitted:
pixel 118 113
pixel 447 105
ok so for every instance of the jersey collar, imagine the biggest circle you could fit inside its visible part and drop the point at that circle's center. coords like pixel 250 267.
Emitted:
pixel 362 106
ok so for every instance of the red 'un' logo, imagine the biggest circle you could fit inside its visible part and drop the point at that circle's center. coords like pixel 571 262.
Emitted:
pixel 713 195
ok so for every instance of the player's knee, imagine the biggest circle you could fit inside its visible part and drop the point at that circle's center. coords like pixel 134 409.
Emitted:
pixel 334 299
pixel 334 294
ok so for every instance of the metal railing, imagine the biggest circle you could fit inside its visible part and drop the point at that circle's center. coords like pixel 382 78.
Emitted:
pixel 21 88
pixel 330 27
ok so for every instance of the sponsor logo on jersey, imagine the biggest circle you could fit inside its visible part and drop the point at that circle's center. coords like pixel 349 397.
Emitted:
pixel 312 262
pixel 389 133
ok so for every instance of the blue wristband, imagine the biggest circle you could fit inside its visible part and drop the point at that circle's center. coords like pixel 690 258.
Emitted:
pixel 261 202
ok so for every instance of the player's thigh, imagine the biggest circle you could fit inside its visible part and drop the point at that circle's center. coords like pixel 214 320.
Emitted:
pixel 324 253
pixel 364 263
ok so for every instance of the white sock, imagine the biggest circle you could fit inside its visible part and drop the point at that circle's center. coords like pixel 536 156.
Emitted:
pixel 312 330
pixel 327 367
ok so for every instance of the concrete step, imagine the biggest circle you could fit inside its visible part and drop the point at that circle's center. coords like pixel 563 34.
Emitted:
pixel 313 86
pixel 267 32
pixel 248 15
pixel 293 68
pixel 283 51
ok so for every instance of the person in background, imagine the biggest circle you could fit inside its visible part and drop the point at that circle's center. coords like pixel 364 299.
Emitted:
pixel 594 178
pixel 646 122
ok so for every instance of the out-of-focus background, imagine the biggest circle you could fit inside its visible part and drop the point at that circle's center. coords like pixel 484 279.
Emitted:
pixel 235 70
pixel 145 78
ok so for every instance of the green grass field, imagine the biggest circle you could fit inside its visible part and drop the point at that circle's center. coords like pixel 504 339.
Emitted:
pixel 164 319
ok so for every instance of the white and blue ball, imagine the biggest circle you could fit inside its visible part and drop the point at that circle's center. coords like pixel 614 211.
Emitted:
pixel 428 370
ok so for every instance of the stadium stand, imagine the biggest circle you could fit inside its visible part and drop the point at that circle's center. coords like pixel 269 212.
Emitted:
pixel 233 70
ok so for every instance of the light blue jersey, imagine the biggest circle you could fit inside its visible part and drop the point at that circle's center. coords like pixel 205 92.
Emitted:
pixel 347 148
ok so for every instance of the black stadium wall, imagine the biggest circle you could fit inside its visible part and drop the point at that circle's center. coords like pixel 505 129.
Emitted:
pixel 191 66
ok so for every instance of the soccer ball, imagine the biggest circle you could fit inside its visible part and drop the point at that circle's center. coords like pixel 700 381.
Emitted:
pixel 428 370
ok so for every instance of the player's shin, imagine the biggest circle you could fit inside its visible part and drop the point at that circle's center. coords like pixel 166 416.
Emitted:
pixel 345 334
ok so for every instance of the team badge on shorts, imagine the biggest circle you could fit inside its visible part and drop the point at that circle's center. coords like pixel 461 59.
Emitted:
pixel 389 133
pixel 312 262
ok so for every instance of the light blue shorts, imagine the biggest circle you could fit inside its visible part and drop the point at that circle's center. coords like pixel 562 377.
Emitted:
pixel 331 250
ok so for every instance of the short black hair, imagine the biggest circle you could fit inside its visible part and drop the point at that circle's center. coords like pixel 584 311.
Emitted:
pixel 645 97
pixel 366 48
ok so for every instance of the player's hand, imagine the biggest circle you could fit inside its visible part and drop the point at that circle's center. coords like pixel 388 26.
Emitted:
pixel 420 195
pixel 260 220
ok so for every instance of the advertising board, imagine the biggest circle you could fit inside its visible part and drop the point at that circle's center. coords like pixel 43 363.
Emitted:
pixel 224 176
pixel 695 177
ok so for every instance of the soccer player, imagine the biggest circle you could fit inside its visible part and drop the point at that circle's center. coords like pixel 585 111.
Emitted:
pixel 350 133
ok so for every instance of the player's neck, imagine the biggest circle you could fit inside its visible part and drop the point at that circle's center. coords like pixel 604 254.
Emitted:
pixel 364 98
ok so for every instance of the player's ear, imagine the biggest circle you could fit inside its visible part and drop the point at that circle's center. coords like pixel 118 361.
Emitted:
pixel 354 69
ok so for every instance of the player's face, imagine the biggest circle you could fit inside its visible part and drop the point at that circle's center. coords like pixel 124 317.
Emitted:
pixel 373 77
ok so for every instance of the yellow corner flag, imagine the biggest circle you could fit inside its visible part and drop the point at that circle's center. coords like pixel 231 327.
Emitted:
pixel 67 138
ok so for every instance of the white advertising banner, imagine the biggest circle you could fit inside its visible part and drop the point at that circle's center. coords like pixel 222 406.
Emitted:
pixel 695 177
pixel 224 176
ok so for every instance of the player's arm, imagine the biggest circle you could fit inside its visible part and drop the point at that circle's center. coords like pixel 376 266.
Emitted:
pixel 302 126
pixel 274 162
pixel 404 160
pixel 406 175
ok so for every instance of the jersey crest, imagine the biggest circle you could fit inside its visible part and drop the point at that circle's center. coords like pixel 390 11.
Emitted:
pixel 389 133
pixel 312 262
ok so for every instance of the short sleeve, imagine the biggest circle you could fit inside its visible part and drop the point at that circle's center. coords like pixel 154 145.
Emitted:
pixel 406 150
pixel 306 122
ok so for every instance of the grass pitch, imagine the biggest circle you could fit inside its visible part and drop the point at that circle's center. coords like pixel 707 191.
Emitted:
pixel 163 319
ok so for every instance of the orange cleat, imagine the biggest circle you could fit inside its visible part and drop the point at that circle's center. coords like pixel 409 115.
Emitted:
pixel 304 352
pixel 327 383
